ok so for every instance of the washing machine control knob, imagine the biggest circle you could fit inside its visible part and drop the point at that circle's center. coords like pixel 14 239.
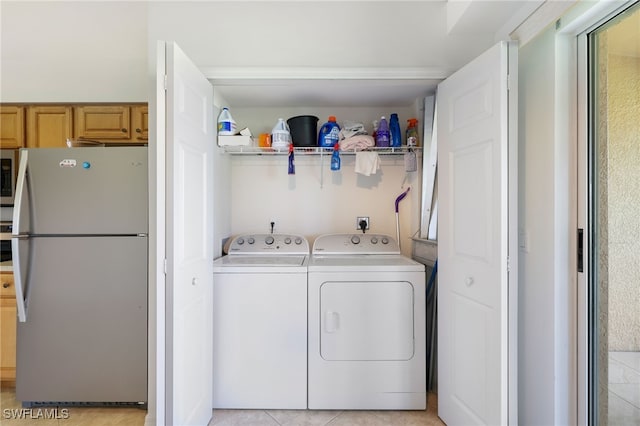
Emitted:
pixel 355 239
pixel 374 240
pixel 385 240
pixel 298 241
pixel 251 240
pixel 287 240
pixel 240 241
pixel 269 240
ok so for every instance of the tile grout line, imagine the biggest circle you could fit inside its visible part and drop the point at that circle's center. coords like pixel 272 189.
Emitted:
pixel 623 398
pixel 631 367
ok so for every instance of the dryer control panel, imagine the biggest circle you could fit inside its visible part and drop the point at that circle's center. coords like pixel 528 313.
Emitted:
pixel 269 244
pixel 355 244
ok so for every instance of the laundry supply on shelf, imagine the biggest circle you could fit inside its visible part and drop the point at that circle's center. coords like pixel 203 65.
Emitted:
pixel 226 124
pixel 329 133
pixel 394 130
pixel 413 139
pixel 335 158
pixel 367 163
pixel 280 136
pixel 382 135
pixel 292 166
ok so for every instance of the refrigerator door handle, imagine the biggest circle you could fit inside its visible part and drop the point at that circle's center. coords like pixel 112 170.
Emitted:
pixel 21 188
pixel 19 204
pixel 19 279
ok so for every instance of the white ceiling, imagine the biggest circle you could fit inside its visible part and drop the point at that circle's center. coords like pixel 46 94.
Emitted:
pixel 349 53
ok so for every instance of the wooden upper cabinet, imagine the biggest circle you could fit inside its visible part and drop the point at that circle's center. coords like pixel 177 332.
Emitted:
pixel 99 122
pixel 11 127
pixel 49 126
pixel 140 122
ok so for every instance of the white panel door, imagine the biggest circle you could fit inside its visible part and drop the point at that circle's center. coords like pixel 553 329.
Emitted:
pixel 477 280
pixel 189 329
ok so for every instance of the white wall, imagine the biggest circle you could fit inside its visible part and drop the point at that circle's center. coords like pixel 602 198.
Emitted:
pixel 536 206
pixel 263 192
pixel 73 51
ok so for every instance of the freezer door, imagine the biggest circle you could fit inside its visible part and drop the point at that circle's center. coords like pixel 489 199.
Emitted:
pixel 85 338
pixel 93 191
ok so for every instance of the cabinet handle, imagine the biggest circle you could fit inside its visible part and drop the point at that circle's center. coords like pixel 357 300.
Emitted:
pixel 124 130
pixel 138 131
pixel 6 285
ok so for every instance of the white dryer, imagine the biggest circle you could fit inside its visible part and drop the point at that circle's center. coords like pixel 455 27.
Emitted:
pixel 260 323
pixel 366 325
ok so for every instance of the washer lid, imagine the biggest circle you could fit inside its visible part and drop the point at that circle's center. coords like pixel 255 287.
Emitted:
pixel 247 260
pixel 260 264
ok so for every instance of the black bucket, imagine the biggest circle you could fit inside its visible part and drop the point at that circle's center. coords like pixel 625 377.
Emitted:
pixel 304 130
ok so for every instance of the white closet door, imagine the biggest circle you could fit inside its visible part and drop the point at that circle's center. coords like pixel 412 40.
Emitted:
pixel 189 228
pixel 477 282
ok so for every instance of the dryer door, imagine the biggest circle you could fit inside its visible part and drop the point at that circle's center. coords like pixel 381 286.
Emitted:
pixel 366 321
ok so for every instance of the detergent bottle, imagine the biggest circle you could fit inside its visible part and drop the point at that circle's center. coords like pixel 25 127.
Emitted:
pixel 329 133
pixel 394 129
pixel 382 135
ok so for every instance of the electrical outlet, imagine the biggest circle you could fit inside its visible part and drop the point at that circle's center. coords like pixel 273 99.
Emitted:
pixel 360 219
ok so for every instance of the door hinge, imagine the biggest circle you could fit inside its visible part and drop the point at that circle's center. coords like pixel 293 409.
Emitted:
pixel 508 264
pixel 164 266
pixel 166 79
pixel 508 82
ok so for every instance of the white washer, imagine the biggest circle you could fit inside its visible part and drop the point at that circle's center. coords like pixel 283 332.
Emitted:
pixel 260 323
pixel 366 325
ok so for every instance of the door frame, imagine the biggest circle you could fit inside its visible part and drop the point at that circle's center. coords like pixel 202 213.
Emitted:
pixel 157 240
pixel 573 63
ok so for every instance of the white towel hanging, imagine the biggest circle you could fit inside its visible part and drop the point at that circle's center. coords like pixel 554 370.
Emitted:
pixel 367 162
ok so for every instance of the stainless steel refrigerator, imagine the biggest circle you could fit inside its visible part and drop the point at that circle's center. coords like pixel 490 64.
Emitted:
pixel 80 264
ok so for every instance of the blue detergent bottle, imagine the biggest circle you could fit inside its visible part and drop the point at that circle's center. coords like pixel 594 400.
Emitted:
pixel 329 133
pixel 335 157
pixel 394 130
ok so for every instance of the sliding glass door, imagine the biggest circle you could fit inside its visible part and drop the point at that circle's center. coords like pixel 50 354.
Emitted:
pixel 614 221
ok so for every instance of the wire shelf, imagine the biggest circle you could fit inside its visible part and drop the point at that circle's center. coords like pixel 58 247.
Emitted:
pixel 314 150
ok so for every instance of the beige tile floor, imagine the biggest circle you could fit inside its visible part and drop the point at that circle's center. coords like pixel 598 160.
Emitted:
pixel 75 416
pixel 624 409
pixel 89 416
pixel 329 418
pixel 624 388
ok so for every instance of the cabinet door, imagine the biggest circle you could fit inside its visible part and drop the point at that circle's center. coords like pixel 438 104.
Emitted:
pixel 7 328
pixel 11 126
pixel 140 122
pixel 102 122
pixel 49 126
